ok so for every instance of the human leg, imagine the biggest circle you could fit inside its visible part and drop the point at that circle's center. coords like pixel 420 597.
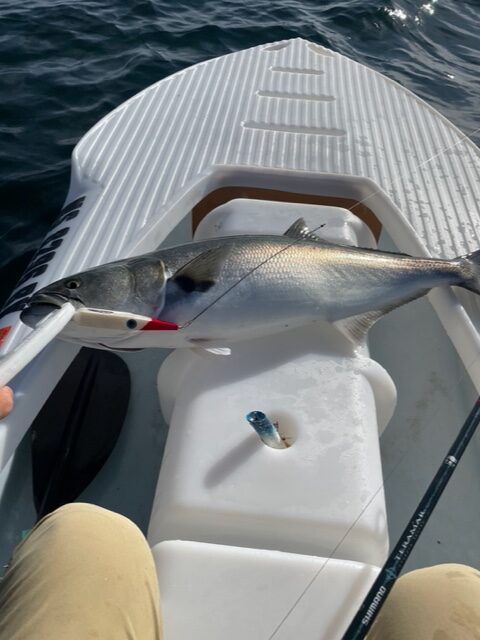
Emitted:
pixel 437 603
pixel 83 572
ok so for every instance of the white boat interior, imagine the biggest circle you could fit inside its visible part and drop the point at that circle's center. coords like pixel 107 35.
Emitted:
pixel 283 543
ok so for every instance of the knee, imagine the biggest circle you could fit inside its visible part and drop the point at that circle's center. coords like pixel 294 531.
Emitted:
pixel 438 598
pixel 82 513
pixel 89 522
pixel 432 578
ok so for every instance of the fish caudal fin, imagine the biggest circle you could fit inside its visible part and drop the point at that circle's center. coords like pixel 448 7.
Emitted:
pixel 470 265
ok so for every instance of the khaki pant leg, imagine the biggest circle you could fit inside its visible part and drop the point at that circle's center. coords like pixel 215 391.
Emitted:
pixel 83 573
pixel 437 603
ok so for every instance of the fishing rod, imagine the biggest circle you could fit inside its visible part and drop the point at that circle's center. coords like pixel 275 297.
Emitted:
pixel 382 586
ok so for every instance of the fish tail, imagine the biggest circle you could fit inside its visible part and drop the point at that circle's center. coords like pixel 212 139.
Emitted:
pixel 470 267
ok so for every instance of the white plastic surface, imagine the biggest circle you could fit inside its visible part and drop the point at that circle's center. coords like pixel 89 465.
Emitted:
pixel 220 483
pixel 17 359
pixel 212 592
pixel 244 216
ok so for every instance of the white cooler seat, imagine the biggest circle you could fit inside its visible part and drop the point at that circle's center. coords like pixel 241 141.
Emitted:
pixel 220 484
pixel 212 592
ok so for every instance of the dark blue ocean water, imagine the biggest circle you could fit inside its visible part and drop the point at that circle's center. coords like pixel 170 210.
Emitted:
pixel 64 65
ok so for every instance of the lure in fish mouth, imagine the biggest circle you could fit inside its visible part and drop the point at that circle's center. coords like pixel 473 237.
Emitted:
pixel 229 289
pixel 40 306
pixel 138 283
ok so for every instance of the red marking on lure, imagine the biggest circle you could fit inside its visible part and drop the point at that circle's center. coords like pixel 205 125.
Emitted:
pixel 4 331
pixel 160 325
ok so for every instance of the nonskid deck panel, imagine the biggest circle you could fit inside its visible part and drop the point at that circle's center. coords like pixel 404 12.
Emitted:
pixel 292 106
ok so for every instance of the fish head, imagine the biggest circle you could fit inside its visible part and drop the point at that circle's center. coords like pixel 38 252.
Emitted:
pixel 136 286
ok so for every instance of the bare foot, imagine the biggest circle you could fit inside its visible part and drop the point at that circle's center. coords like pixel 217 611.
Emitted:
pixel 6 401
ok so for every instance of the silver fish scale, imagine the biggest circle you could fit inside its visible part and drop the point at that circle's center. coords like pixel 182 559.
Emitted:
pixel 280 280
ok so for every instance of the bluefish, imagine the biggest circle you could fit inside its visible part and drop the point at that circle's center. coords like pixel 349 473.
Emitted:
pixel 229 289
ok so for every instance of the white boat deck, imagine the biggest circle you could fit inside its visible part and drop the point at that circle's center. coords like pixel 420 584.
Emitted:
pixel 289 116
pixel 295 118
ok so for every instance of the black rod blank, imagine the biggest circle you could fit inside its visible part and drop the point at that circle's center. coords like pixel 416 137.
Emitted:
pixel 382 586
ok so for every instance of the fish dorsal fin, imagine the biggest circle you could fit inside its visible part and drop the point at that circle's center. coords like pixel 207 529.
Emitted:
pixel 299 231
pixel 201 273
pixel 355 328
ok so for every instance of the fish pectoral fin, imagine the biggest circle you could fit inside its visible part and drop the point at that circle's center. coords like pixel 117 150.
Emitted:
pixel 355 328
pixel 212 351
pixel 201 273
pixel 203 347
pixel 299 231
pixel 219 351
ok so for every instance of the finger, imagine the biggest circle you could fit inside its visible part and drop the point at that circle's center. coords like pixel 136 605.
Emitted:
pixel 6 401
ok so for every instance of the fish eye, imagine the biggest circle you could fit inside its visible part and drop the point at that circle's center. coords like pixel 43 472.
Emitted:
pixel 72 284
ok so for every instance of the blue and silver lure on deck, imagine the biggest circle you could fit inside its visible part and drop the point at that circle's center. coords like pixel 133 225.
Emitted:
pixel 266 430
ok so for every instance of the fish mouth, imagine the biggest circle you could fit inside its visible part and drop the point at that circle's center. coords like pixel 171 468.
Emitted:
pixel 42 304
pixel 52 299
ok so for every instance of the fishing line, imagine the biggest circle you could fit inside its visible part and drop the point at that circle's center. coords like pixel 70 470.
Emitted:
pixel 424 162
pixel 410 446
pixel 387 577
pixel 295 242
pixel 461 377
pixel 252 270
pixel 355 522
